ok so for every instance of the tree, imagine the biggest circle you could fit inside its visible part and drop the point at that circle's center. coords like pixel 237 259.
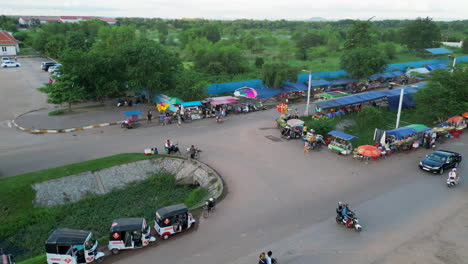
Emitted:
pixel 211 32
pixel 305 42
pixel 155 68
pixel 276 73
pixel 445 95
pixel 465 46
pixel 360 36
pixel 77 40
pixel 220 58
pixel 390 50
pixel 63 90
pixel 259 62
pixel 34 23
pixel 421 34
pixel 189 86
pixel 363 62
pixel 162 28
pixel 55 46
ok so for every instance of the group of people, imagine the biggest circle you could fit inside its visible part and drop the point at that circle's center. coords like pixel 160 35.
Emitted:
pixel 343 211
pixel 266 258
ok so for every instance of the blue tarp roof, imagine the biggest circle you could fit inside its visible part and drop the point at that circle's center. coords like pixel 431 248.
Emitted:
pixel 268 92
pixel 438 51
pixel 327 104
pixel 386 75
pixel 131 113
pixel 194 103
pixel 342 82
pixel 436 66
pixel 294 87
pixel 316 83
pixel 342 135
pixel 401 132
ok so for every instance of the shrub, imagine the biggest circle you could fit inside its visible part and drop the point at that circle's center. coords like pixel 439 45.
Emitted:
pixel 321 126
pixel 196 196
pixel 57 112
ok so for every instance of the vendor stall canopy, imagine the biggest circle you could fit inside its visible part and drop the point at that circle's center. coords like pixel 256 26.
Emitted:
pixel 401 132
pixel 439 51
pixel 418 127
pixel 386 75
pixel 342 135
pixel 132 113
pixel 188 104
pixel 436 66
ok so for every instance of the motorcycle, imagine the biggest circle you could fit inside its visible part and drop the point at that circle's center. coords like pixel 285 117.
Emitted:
pixel 451 182
pixel 352 222
pixel 219 119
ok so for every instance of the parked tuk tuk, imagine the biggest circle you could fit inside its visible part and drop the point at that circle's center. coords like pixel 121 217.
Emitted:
pixel 6 258
pixel 341 142
pixel 131 120
pixel 173 219
pixel 293 129
pixel 69 246
pixel 129 233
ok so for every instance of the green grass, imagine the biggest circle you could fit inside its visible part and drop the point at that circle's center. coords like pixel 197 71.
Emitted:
pixel 27 52
pixel 56 112
pixel 24 227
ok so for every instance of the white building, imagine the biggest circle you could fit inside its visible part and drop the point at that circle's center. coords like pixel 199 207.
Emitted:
pixel 9 46
pixel 453 44
pixel 26 20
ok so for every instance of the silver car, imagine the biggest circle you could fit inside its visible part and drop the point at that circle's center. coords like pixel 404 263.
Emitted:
pixel 6 64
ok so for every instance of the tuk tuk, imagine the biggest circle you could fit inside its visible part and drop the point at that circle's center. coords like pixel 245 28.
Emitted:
pixel 69 246
pixel 131 120
pixel 173 219
pixel 293 129
pixel 129 233
pixel 6 258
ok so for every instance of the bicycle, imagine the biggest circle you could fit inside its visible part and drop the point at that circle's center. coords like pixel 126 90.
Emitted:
pixel 207 210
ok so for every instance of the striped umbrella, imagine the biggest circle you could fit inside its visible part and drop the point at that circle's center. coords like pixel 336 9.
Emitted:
pixel 369 151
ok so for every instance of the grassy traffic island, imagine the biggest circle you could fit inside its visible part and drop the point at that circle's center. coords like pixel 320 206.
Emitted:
pixel 24 227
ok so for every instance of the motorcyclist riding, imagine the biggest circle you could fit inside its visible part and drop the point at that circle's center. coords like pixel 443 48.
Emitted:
pixel 210 203
pixel 454 175
pixel 347 214
pixel 339 208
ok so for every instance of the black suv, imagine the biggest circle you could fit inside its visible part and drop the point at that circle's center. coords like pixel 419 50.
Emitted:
pixel 439 161
pixel 45 65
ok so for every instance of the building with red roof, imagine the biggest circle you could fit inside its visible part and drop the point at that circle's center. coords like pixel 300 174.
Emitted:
pixel 8 44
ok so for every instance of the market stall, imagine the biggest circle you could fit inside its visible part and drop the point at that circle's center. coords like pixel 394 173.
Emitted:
pixel 341 142
pixel 403 138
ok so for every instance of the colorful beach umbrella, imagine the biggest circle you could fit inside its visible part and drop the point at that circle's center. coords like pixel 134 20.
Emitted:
pixel 369 151
pixel 175 100
pixel 282 108
pixel 246 92
pixel 162 107
pixel 455 119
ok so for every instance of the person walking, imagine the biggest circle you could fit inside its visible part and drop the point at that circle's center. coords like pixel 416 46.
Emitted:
pixel 269 258
pixel 262 258
pixel 179 120
pixel 306 147
pixel 150 116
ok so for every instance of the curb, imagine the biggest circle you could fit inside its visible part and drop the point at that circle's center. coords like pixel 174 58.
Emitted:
pixel 54 131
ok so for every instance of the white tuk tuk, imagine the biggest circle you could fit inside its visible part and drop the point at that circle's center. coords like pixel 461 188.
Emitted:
pixel 172 219
pixel 129 233
pixel 69 246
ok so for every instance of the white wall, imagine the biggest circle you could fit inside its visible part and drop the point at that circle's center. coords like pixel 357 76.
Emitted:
pixel 10 50
pixel 453 44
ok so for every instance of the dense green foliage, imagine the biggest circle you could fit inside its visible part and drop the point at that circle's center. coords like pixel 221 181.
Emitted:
pixel 9 24
pixel 421 34
pixel 446 95
pixel 24 228
pixel 275 74
pixel 321 126
pixel 220 51
pixel 363 62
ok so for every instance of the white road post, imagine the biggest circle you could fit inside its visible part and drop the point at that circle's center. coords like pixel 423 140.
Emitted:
pixel 308 94
pixel 399 107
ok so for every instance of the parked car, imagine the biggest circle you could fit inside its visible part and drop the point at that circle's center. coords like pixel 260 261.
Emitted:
pixel 439 161
pixel 45 65
pixel 5 59
pixel 6 64
pixel 54 68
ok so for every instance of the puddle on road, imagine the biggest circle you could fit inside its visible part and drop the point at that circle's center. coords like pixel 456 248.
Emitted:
pixel 273 138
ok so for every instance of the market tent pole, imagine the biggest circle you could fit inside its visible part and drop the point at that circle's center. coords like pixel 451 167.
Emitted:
pixel 308 93
pixel 399 107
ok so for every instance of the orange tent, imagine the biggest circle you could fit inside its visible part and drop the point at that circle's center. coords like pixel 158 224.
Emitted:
pixel 465 115
pixel 455 119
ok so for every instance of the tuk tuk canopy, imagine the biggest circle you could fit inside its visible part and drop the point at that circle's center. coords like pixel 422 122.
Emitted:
pixel 65 236
pixel 342 135
pixel 127 224
pixel 132 113
pixel 172 210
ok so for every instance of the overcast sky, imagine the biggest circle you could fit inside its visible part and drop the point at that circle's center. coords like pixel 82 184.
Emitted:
pixel 252 9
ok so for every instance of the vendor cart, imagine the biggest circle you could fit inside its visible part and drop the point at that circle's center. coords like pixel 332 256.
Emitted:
pixel 293 129
pixel 341 142
pixel 132 119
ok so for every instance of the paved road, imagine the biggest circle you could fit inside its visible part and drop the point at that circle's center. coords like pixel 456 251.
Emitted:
pixel 278 197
